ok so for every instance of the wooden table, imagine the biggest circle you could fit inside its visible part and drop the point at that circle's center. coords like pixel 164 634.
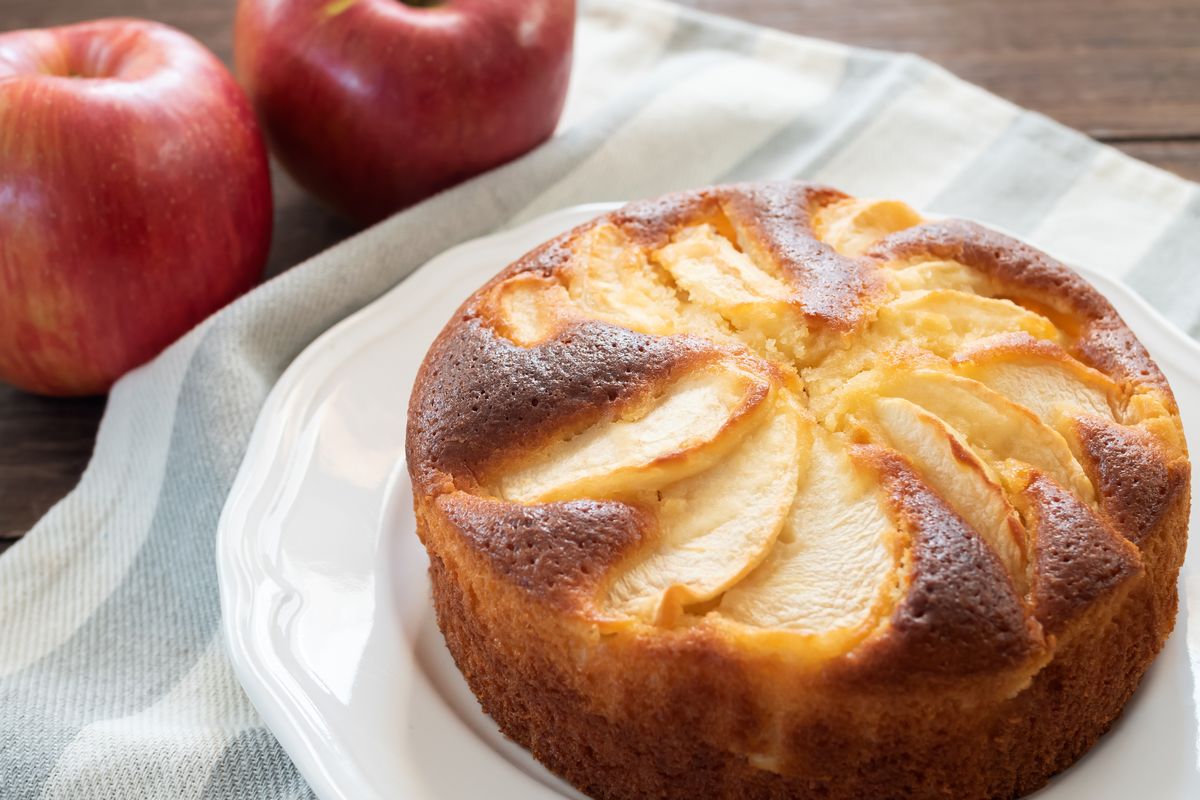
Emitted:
pixel 1125 71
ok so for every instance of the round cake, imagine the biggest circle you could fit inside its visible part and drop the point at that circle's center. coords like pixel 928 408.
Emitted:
pixel 763 491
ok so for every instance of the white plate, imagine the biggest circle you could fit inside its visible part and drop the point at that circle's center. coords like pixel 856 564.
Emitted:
pixel 325 598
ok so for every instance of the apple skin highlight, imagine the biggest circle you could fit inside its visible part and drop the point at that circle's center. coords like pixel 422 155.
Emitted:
pixel 135 199
pixel 373 105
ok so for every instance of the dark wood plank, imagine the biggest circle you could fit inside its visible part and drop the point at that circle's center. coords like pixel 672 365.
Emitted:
pixel 1120 69
pixel 1106 67
pixel 1179 156
pixel 44 445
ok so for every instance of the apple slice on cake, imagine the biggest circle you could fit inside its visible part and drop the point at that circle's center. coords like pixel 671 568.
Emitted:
pixel 715 526
pixel 826 576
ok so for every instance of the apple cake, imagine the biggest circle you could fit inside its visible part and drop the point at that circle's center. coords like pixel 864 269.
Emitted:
pixel 764 491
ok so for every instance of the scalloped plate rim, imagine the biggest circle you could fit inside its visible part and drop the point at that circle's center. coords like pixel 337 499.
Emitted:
pixel 245 563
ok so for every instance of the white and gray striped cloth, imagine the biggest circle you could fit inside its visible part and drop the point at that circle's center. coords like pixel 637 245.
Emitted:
pixel 113 679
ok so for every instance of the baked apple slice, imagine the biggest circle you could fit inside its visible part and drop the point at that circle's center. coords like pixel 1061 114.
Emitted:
pixel 1040 376
pixel 952 469
pixel 716 526
pixel 696 420
pixel 942 319
pixel 999 429
pixel 829 570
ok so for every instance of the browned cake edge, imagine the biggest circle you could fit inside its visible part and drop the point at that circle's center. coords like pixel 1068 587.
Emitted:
pixel 671 716
pixel 676 714
pixel 1103 342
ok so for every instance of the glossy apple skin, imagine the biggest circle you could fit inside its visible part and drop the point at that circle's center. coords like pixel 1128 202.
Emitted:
pixel 135 199
pixel 373 105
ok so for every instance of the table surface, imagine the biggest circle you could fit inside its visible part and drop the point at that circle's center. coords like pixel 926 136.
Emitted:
pixel 1124 71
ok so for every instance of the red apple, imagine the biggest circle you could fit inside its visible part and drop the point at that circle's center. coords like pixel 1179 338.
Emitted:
pixel 134 199
pixel 375 104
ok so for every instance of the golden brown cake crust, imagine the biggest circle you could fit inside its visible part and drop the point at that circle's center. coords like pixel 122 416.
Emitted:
pixel 1080 557
pixel 980 671
pixel 1004 752
pixel 1138 483
pixel 484 392
pixel 552 551
pixel 961 614
pixel 778 218
pixel 1104 341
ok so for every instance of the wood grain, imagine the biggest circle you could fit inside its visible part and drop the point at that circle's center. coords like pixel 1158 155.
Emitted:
pixel 44 445
pixel 1127 68
pixel 1125 71
pixel 1181 156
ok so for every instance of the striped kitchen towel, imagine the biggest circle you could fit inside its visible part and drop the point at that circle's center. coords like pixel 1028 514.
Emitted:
pixel 113 679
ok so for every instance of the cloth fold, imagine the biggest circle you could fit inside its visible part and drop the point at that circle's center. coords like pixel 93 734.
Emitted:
pixel 113 678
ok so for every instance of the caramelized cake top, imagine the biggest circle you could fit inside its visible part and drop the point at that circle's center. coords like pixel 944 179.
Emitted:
pixel 800 422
